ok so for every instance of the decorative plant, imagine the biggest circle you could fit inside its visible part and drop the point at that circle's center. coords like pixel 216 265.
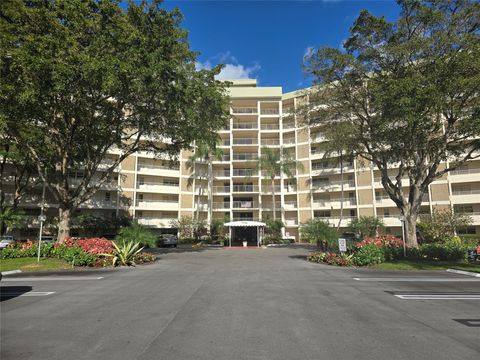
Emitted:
pixel 125 253
pixel 139 234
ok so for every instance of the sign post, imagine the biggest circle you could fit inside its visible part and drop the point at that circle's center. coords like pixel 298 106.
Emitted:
pixel 342 245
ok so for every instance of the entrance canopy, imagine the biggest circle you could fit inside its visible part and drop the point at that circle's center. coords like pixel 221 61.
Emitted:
pixel 235 228
pixel 244 223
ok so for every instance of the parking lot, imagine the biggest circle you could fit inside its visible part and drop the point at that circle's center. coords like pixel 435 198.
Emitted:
pixel 240 304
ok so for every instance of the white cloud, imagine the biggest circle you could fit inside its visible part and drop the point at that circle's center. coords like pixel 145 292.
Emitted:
pixel 232 70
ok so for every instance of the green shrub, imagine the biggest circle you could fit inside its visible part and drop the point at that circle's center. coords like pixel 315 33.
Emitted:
pixel 369 255
pixel 137 234
pixel 330 258
pixel 187 240
pixel 74 255
pixel 450 251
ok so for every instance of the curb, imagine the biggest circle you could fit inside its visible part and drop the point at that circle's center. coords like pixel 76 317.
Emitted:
pixel 11 272
pixel 462 272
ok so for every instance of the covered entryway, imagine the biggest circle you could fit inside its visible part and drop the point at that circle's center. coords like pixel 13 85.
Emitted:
pixel 250 232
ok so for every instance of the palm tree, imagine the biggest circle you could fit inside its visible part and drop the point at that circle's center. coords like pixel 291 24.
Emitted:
pixel 203 153
pixel 273 163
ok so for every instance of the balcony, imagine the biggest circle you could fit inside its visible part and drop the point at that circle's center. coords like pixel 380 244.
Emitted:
pixel 224 173
pixel 333 185
pixel 244 204
pixel 245 126
pixel 335 203
pixel 333 220
pixel 269 205
pixel 156 222
pixel 221 189
pixel 245 141
pixel 225 143
pixel 465 175
pixel 245 156
pixel 244 110
pixel 269 127
pixel 289 141
pixel 157 204
pixel 288 125
pixel 269 111
pixel 290 205
pixel 270 142
pixel 158 169
pixel 268 188
pixel 465 196
pixel 221 205
pixel 291 222
pixel 223 158
pixel 245 188
pixel 158 187
pixel 243 172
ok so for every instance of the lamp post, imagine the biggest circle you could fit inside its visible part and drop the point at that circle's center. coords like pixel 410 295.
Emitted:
pixel 41 218
pixel 402 220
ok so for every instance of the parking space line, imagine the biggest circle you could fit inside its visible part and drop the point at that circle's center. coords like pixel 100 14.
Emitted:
pixel 30 293
pixel 418 279
pixel 437 296
pixel 51 278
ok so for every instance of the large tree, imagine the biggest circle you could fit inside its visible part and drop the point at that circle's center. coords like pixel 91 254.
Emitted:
pixel 410 88
pixel 82 78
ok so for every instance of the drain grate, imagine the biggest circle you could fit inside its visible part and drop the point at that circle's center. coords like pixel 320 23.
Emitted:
pixel 469 322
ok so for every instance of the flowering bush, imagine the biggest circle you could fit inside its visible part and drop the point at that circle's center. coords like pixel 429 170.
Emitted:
pixel 330 258
pixel 381 241
pixel 96 246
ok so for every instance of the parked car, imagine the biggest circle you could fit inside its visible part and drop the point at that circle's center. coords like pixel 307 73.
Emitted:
pixel 167 240
pixel 5 241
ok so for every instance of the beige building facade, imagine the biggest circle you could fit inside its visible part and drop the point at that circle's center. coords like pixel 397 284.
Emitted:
pixel 154 191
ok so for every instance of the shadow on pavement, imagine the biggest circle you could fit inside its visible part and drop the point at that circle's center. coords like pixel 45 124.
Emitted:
pixel 10 292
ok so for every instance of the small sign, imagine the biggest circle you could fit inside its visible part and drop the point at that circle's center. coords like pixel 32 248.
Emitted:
pixel 342 244
pixel 42 218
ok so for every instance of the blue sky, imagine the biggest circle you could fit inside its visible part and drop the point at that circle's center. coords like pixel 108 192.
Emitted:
pixel 267 40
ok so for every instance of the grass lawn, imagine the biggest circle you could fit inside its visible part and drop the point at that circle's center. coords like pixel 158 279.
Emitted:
pixel 428 265
pixel 31 264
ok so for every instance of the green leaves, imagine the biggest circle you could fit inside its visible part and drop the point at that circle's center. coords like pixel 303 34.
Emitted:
pixel 124 254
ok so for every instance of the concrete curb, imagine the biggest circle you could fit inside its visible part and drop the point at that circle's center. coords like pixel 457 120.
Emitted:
pixel 11 272
pixel 462 272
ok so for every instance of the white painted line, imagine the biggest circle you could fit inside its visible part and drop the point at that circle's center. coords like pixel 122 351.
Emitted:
pixel 11 272
pixel 52 278
pixel 463 272
pixel 418 279
pixel 438 297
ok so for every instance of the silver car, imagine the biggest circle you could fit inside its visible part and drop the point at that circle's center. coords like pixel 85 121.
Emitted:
pixel 5 241
pixel 167 240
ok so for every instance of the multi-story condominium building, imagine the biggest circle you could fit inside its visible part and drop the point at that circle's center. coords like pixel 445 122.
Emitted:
pixel 155 192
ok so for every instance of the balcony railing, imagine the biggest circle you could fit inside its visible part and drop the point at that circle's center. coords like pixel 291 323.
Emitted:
pixel 249 125
pixel 242 172
pixel 269 111
pixel 244 110
pixel 466 192
pixel 244 204
pixel 152 183
pixel 221 189
pixel 465 171
pixel 245 141
pixel 290 204
pixel 221 205
pixel 289 141
pixel 147 167
pixel 327 202
pixel 324 185
pixel 270 142
pixel 148 202
pixel 289 125
pixel 245 188
pixel 225 143
pixel 268 188
pixel 269 206
pixel 225 173
pixel 269 126
pixel 245 156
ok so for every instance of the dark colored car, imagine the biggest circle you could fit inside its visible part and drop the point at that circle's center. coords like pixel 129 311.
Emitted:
pixel 167 240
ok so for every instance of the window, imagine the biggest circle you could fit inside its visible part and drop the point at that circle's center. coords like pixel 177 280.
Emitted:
pixel 141 180
pixel 108 196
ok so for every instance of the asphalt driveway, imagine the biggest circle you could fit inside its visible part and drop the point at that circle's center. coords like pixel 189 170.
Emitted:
pixel 241 304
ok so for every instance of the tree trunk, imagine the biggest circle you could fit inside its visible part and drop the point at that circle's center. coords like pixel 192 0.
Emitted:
pixel 273 200
pixel 411 229
pixel 64 222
